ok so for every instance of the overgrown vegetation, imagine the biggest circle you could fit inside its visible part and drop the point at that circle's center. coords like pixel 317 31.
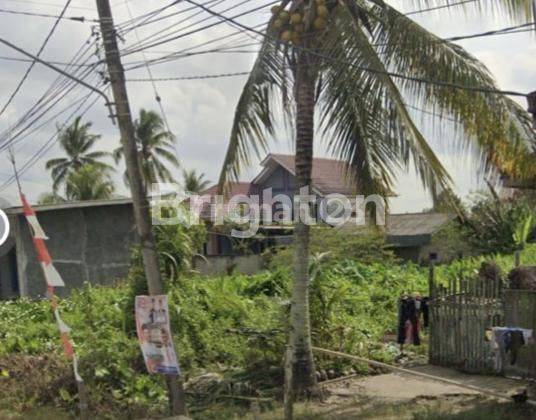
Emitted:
pixel 234 326
pixel 336 245
pixel 490 225
pixel 495 225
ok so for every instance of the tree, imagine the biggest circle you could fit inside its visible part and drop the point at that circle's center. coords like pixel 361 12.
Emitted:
pixel 448 202
pixel 500 226
pixel 90 182
pixel 193 182
pixel 356 65
pixel 50 198
pixel 155 145
pixel 76 141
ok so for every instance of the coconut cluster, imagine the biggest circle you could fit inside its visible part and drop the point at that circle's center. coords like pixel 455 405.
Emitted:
pixel 294 23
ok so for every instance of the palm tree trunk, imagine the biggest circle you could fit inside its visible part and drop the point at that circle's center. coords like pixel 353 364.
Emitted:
pixel 304 378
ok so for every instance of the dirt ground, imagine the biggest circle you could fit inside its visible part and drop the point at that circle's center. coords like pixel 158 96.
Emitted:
pixel 404 396
pixel 396 396
pixel 396 387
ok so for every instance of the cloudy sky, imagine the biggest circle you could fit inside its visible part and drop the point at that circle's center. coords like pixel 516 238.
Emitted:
pixel 200 112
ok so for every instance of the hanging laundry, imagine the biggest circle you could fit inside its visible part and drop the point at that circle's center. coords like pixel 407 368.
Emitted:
pixel 508 340
pixel 421 305
pixel 408 322
pixel 425 311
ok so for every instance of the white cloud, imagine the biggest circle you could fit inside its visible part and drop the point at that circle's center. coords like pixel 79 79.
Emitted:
pixel 201 112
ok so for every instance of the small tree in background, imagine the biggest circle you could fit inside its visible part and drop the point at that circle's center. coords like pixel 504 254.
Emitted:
pixel 90 182
pixel 77 143
pixel 156 149
pixel 193 182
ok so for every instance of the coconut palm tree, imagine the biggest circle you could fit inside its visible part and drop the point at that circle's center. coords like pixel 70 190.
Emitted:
pixel 76 141
pixel 155 146
pixel 90 182
pixel 348 69
pixel 50 198
pixel 193 182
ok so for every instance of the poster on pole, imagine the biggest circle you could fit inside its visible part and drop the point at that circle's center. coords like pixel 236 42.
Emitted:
pixel 154 334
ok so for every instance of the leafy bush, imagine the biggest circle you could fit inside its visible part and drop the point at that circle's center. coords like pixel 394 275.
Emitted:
pixel 494 225
pixel 364 246
pixel 235 325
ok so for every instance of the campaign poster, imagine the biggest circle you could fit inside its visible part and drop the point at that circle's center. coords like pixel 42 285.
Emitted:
pixel 154 334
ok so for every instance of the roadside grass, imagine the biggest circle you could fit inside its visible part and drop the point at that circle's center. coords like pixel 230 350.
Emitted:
pixel 490 410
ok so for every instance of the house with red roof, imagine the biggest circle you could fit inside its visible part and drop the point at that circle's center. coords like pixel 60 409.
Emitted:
pixel 329 176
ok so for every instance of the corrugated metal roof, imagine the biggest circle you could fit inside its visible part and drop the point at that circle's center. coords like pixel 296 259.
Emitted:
pixel 409 229
pixel 72 205
pixel 412 224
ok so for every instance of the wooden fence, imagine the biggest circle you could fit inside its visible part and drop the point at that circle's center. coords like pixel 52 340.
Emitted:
pixel 520 312
pixel 461 309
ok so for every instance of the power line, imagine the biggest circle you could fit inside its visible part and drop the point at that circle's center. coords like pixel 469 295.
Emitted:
pixel 56 90
pixel 149 71
pixel 165 41
pixel 368 69
pixel 504 31
pixel 49 104
pixel 28 60
pixel 41 100
pixel 49 143
pixel 157 35
pixel 171 56
pixel 24 134
pixel 184 52
pixel 42 3
pixel 445 6
pixel 45 15
pixel 43 45
pixel 199 77
pixel 177 55
pixel 148 20
pixel 145 16
pixel 62 72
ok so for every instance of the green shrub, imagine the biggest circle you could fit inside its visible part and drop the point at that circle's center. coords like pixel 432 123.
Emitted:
pixel 365 246
pixel 493 224
pixel 235 325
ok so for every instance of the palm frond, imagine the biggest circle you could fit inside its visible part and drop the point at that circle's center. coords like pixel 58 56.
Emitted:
pixel 55 162
pixel 518 11
pixel 490 125
pixel 117 154
pixel 253 116
pixel 167 155
pixel 97 155
pixel 377 92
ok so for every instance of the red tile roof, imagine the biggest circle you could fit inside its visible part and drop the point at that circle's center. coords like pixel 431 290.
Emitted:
pixel 329 175
pixel 235 188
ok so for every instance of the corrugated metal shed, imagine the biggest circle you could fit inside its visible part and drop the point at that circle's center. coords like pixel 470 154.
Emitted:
pixel 413 224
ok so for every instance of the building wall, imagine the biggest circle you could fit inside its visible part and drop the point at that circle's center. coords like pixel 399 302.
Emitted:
pixel 86 244
pixel 281 181
pixel 242 264
pixel 9 287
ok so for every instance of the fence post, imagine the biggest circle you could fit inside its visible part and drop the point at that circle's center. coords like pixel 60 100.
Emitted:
pixel 288 398
pixel 431 309
pixel 82 400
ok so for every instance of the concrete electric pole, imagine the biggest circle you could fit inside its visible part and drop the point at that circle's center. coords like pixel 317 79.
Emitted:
pixel 532 106
pixel 137 186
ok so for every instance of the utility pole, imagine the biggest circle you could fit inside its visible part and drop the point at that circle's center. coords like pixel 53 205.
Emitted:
pixel 532 106
pixel 138 190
